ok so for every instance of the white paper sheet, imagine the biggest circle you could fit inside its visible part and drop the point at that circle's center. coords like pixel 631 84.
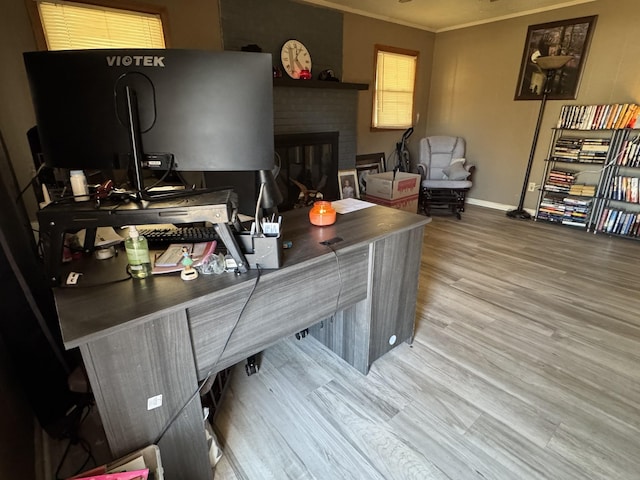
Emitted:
pixel 347 205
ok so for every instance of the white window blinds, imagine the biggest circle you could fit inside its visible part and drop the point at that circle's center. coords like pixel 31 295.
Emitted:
pixel 394 89
pixel 83 26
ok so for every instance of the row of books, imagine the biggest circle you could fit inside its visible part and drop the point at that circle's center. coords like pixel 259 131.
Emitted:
pixel 572 211
pixel 576 211
pixel 629 155
pixel 582 190
pixel 585 150
pixel 560 181
pixel 619 222
pixel 599 117
pixel 625 189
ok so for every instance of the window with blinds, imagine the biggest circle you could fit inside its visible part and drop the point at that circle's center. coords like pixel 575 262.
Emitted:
pixel 79 25
pixel 393 96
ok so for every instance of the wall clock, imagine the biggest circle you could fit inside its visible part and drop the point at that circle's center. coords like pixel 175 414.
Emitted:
pixel 296 59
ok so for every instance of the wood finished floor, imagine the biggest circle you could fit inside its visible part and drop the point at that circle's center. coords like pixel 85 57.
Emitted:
pixel 525 365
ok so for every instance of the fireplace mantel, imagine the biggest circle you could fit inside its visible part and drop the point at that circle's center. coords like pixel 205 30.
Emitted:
pixel 290 82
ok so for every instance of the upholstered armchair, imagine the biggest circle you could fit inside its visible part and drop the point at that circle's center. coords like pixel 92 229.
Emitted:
pixel 445 174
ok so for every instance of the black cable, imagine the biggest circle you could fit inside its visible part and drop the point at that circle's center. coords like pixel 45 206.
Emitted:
pixel 208 375
pixel 74 439
pixel 164 175
pixel 339 279
pixel 124 279
pixel 29 183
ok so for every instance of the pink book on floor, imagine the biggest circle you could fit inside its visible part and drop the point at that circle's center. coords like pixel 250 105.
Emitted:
pixel 133 475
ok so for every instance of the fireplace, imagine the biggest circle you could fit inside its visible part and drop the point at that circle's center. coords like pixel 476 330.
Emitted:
pixel 315 125
pixel 308 167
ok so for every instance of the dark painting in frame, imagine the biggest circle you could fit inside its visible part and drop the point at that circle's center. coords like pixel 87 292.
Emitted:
pixel 563 37
pixel 368 164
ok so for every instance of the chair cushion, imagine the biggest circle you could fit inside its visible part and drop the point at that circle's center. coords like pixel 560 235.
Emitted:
pixel 456 171
pixel 438 152
pixel 455 184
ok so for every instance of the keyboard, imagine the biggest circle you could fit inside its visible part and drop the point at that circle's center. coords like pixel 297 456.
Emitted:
pixel 161 237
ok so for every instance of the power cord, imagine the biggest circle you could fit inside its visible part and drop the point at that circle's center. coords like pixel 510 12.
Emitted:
pixel 117 280
pixel 213 369
pixel 29 183
pixel 335 254
pixel 76 439
pixel 164 175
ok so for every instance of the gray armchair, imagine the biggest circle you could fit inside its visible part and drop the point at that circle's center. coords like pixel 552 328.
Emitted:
pixel 446 176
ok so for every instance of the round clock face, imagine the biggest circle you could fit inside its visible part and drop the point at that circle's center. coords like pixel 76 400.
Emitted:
pixel 296 59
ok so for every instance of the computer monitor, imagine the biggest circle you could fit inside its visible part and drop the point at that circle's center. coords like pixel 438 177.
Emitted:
pixel 115 109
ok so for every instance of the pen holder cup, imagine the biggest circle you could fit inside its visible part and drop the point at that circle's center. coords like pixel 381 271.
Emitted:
pixel 263 251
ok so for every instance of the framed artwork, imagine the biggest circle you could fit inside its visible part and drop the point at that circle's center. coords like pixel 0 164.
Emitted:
pixel 366 165
pixel 347 180
pixel 564 37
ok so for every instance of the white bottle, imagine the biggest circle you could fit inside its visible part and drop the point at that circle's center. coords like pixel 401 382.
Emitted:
pixel 79 186
pixel 137 254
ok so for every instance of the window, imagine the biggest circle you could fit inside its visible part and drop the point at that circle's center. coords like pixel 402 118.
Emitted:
pixel 80 25
pixel 393 95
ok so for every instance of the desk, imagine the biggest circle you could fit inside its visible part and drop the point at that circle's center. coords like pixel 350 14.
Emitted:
pixel 160 336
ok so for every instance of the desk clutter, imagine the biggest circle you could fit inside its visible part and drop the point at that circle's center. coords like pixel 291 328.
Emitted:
pixel 184 258
pixel 144 464
pixel 186 249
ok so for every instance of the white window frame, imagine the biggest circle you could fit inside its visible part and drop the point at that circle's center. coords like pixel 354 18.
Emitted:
pixel 385 97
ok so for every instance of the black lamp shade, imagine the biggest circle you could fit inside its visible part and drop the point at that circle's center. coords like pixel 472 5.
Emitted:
pixel 271 195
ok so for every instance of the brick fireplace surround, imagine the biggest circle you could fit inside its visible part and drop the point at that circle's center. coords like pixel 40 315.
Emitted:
pixel 313 112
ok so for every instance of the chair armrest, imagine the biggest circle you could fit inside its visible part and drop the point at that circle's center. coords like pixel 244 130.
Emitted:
pixel 470 168
pixel 422 170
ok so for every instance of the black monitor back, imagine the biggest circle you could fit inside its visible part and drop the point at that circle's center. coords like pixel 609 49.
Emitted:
pixel 212 110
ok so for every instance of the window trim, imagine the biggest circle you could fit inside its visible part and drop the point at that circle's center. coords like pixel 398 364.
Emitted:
pixel 38 31
pixel 401 51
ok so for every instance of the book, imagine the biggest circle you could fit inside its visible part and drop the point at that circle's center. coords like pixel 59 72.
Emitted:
pixel 171 259
pixel 132 475
pixel 602 220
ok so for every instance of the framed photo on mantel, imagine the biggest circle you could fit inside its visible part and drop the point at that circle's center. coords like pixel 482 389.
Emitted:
pixel 564 37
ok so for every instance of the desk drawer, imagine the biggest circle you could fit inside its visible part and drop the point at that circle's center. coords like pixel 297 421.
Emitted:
pixel 284 302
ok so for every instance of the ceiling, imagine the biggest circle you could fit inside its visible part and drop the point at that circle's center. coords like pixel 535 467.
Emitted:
pixel 442 15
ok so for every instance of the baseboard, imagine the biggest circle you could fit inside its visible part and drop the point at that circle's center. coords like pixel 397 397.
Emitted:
pixel 494 205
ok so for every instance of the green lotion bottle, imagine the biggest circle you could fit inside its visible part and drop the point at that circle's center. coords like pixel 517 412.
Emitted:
pixel 138 254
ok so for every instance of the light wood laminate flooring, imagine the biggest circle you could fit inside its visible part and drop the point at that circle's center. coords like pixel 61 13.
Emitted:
pixel 525 365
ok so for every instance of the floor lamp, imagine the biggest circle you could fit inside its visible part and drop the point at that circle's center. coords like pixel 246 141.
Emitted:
pixel 549 65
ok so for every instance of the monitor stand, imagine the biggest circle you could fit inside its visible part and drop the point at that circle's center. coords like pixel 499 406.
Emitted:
pixel 215 208
pixel 140 193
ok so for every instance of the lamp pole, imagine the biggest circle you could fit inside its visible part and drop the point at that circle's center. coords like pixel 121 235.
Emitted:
pixel 557 63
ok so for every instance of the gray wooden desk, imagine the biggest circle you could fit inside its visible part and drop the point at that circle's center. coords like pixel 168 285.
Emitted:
pixel 159 336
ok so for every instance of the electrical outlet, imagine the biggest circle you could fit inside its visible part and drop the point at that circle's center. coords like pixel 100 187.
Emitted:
pixel 532 187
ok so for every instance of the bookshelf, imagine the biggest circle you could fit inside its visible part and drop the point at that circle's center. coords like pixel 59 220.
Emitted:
pixel 591 178
pixel 572 173
pixel 617 209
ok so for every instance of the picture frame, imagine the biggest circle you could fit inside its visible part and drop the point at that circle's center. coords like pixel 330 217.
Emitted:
pixel 563 37
pixel 367 164
pixel 348 183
